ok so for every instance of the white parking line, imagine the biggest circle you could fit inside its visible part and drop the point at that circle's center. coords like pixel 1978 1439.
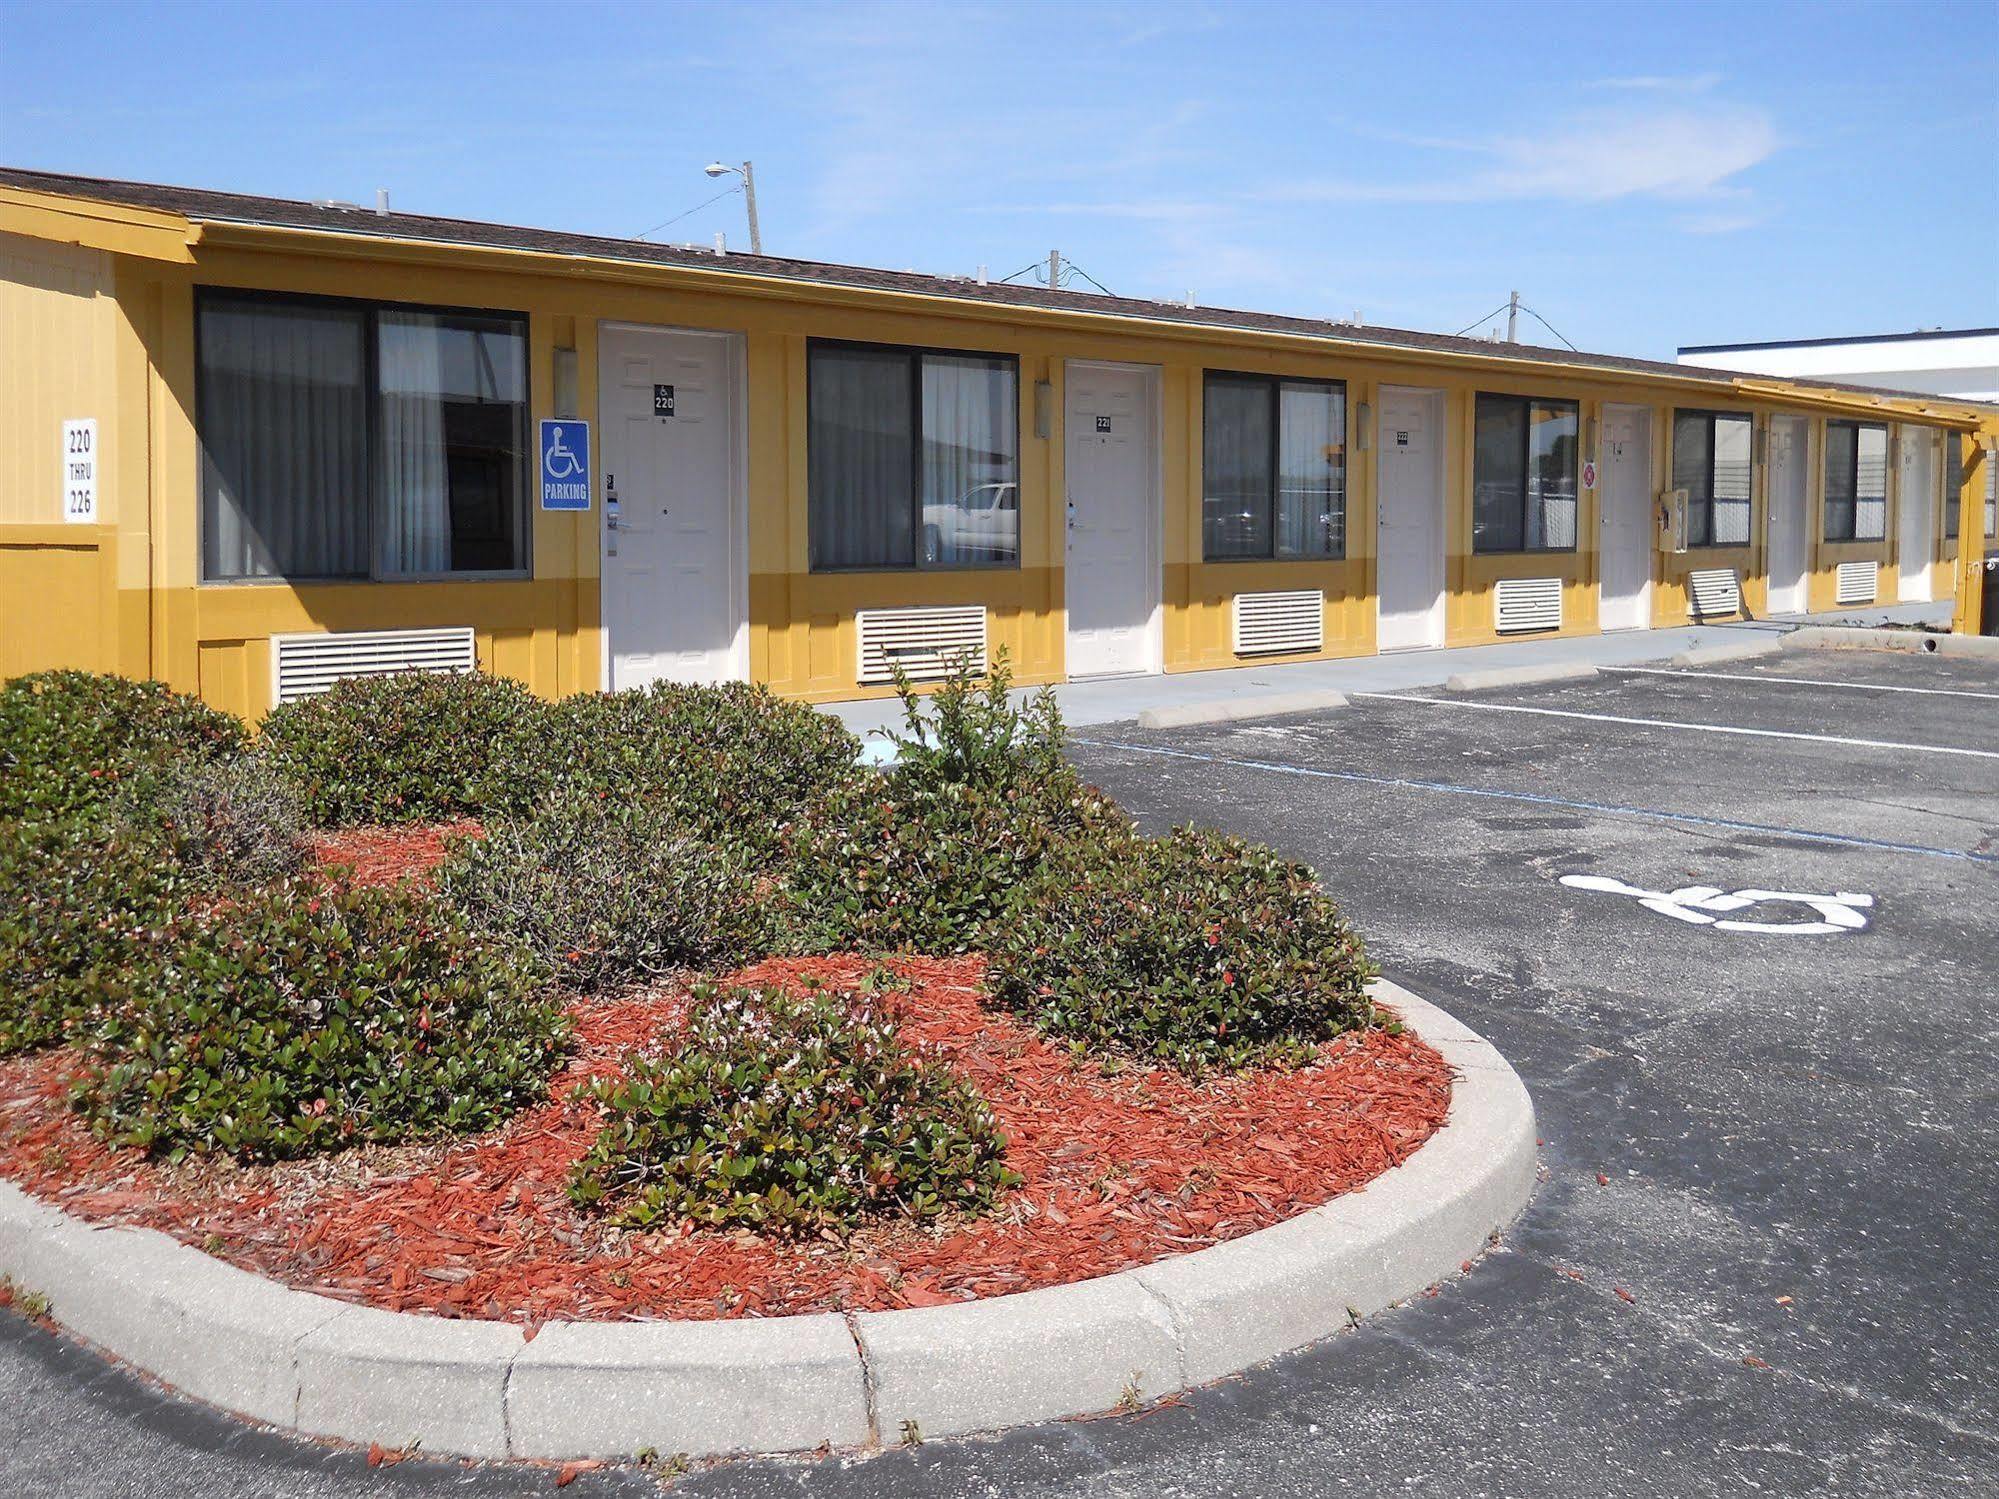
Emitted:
pixel 1744 676
pixel 1670 723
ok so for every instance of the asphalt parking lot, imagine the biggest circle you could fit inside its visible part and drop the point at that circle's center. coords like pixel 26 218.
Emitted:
pixel 1760 1258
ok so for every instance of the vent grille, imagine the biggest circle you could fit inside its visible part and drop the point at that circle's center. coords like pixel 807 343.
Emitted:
pixel 307 665
pixel 1527 604
pixel 925 643
pixel 1267 623
pixel 1716 591
pixel 1858 583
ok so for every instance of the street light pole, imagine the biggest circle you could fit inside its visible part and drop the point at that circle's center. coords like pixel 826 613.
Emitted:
pixel 748 172
pixel 750 200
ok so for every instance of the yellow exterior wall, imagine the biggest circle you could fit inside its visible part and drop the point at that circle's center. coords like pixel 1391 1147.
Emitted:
pixel 113 328
pixel 58 330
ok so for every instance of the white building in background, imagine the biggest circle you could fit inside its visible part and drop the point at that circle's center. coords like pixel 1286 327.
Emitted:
pixel 1936 361
pixel 1960 362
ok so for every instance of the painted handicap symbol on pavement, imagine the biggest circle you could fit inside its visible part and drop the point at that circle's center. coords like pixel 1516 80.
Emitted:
pixel 1708 905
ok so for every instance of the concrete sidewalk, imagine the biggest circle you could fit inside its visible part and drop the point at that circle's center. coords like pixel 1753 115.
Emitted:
pixel 1122 699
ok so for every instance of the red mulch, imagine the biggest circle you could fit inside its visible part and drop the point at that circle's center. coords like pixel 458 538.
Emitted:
pixel 390 855
pixel 1118 1171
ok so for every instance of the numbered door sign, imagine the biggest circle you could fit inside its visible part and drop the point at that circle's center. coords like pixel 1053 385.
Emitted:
pixel 79 472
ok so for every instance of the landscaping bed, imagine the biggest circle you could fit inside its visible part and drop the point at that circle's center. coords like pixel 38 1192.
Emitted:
pixel 436 997
pixel 1116 1171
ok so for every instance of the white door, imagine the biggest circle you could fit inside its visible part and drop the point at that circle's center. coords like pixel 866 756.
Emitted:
pixel 1789 464
pixel 1110 453
pixel 1409 527
pixel 674 575
pixel 1624 496
pixel 1915 492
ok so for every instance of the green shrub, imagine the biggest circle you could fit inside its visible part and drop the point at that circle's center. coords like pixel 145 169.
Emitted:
pixel 730 761
pixel 230 822
pixel 606 891
pixel 299 1021
pixel 87 914
pixel 790 1114
pixel 72 740
pixel 410 747
pixel 925 855
pixel 897 865
pixel 1196 949
pixel 971 733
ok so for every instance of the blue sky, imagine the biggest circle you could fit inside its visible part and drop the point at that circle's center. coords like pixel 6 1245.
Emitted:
pixel 1646 175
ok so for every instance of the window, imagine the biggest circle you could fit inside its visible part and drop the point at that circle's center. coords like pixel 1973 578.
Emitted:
pixel 1273 468
pixel 1953 484
pixel 912 458
pixel 1712 456
pixel 1524 482
pixel 343 440
pixel 1856 481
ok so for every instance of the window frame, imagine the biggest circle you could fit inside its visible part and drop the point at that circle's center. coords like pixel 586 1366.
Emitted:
pixel 1528 402
pixel 1826 497
pixel 371 370
pixel 914 355
pixel 1710 417
pixel 1274 386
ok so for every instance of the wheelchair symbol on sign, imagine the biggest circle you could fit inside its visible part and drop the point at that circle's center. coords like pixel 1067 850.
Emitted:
pixel 1707 905
pixel 559 461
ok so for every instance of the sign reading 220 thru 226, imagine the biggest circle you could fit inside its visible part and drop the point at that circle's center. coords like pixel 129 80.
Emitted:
pixel 79 472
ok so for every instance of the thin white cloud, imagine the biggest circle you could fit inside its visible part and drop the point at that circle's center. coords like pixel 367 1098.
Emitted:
pixel 1676 155
pixel 1660 83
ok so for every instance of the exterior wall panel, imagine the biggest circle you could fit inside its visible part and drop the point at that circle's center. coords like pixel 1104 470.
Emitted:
pixel 116 329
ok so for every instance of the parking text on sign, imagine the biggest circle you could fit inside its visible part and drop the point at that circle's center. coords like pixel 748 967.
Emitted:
pixel 79 471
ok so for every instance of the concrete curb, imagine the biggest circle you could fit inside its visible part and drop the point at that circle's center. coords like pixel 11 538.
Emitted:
pixel 1735 650
pixel 710 1389
pixel 1519 676
pixel 1916 642
pixel 1236 709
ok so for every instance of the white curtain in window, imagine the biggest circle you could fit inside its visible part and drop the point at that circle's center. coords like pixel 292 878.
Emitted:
pixel 970 513
pixel 1734 445
pixel 415 478
pixel 1870 511
pixel 1311 471
pixel 283 441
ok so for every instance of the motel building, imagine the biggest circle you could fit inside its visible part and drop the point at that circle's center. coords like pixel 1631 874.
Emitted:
pixel 250 445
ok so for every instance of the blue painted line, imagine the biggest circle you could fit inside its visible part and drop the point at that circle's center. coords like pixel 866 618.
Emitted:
pixel 1608 809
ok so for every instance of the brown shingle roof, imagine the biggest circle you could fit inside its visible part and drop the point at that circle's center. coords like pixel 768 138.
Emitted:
pixel 201 205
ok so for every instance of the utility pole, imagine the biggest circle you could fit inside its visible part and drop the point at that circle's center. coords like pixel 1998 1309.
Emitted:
pixel 1512 309
pixel 748 172
pixel 750 199
pixel 1054 270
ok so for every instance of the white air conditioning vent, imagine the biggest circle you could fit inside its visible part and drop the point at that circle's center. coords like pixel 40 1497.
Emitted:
pixel 925 643
pixel 306 665
pixel 1527 604
pixel 1858 583
pixel 1266 623
pixel 1716 591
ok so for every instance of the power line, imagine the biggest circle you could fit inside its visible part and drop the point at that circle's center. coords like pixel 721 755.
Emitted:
pixel 1509 303
pixel 694 210
pixel 1549 326
pixel 1476 321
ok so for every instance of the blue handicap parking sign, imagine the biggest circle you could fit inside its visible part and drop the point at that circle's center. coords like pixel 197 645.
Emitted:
pixel 565 465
